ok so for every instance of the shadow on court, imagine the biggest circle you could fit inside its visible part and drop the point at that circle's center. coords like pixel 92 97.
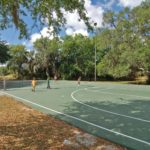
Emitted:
pixel 135 133
pixel 136 108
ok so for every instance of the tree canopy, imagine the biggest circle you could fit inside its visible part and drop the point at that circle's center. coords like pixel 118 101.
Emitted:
pixel 42 12
pixel 122 45
pixel 128 33
pixel 4 56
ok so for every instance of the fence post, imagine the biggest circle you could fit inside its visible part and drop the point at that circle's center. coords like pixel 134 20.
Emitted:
pixel 4 84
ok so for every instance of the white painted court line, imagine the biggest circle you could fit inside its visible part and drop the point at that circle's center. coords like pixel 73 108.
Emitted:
pixel 1 93
pixel 81 120
pixel 103 110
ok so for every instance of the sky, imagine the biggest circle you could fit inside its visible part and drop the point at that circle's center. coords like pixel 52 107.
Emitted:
pixel 95 10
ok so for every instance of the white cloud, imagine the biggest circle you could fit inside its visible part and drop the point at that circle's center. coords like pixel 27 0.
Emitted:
pixel 73 20
pixel 81 31
pixel 95 12
pixel 69 31
pixel 45 32
pixel 108 5
pixel 75 26
pixel 34 37
pixel 130 3
pixel 27 44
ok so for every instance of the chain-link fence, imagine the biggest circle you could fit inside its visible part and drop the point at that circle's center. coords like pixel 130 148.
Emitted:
pixel 11 84
pixel 1 85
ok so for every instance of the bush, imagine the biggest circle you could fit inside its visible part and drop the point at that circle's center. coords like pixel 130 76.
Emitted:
pixel 3 71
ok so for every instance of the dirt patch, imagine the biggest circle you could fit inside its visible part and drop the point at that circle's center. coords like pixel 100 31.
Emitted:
pixel 24 128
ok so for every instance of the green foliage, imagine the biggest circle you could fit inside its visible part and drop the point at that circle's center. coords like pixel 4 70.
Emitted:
pixel 77 57
pixel 40 11
pixel 3 71
pixel 68 59
pixel 18 55
pixel 122 46
pixel 4 56
pixel 128 40
pixel 48 55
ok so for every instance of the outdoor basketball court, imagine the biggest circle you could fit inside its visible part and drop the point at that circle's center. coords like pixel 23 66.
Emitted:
pixel 117 112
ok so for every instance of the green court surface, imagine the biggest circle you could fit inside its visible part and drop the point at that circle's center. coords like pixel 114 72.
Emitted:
pixel 117 112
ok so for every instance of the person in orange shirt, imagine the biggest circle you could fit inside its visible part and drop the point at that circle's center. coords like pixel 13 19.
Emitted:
pixel 33 84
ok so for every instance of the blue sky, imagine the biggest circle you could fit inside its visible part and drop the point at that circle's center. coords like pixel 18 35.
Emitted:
pixel 95 10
